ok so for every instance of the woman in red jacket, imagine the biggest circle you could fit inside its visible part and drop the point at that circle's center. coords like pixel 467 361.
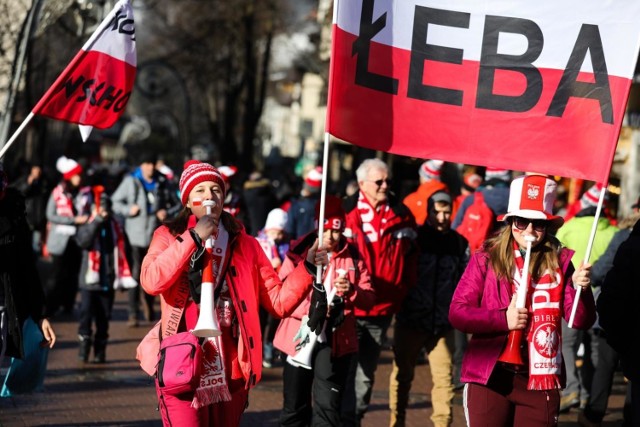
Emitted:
pixel 243 280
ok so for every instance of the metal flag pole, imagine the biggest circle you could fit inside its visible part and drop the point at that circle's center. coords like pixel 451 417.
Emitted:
pixel 587 254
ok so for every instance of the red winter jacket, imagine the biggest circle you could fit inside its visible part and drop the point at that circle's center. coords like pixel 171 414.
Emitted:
pixel 251 279
pixel 345 340
pixel 394 268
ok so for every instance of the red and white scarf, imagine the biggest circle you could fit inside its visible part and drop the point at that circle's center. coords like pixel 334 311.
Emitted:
pixel 64 204
pixel 123 277
pixel 372 220
pixel 544 330
pixel 213 380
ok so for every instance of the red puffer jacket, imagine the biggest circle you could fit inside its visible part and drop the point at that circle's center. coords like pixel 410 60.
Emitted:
pixel 251 279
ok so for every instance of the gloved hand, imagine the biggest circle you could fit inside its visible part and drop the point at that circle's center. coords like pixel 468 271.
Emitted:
pixel 336 312
pixel 195 274
pixel 318 308
pixel 302 334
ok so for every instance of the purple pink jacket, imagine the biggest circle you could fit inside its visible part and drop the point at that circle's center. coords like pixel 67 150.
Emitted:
pixel 252 282
pixel 345 340
pixel 479 307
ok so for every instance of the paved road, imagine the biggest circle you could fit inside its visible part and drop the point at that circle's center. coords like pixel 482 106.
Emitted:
pixel 118 393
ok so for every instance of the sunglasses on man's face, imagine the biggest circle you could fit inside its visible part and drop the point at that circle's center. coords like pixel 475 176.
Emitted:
pixel 379 182
pixel 522 223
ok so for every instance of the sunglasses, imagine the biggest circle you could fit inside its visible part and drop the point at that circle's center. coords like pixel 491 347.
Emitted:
pixel 379 182
pixel 522 223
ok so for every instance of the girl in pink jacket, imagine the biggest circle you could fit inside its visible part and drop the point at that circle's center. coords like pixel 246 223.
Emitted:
pixel 513 364
pixel 243 280
pixel 323 372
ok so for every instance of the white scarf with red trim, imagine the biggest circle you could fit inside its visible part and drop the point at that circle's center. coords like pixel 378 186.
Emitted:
pixel 213 381
pixel 64 204
pixel 544 330
pixel 123 277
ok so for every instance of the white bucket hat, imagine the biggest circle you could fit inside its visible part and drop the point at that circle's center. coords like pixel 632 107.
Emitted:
pixel 532 197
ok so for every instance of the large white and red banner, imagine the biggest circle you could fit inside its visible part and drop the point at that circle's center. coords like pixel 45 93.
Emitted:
pixel 96 85
pixel 525 85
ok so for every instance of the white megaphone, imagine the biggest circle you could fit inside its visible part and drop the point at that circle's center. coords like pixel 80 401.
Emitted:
pixel 302 358
pixel 207 325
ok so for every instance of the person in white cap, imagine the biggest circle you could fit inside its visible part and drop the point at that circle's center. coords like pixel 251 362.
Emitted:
pixel 429 175
pixel 574 234
pixel 520 387
pixel 233 202
pixel 69 206
pixel 275 245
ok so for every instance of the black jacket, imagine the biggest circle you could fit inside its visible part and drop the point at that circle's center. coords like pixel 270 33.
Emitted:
pixel 618 304
pixel 442 260
pixel 21 292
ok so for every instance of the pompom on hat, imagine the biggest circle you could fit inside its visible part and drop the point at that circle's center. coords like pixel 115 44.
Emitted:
pixel 68 167
pixel 194 173
pixel 276 220
pixel 334 215
pixel 532 197
pixel 430 169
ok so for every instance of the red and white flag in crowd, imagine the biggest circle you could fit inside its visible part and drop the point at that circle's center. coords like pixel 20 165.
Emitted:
pixel 96 85
pixel 525 85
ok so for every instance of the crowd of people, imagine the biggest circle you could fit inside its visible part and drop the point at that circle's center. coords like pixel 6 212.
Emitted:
pixel 481 281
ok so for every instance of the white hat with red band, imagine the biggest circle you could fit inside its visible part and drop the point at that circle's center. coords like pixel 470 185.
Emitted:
pixel 532 197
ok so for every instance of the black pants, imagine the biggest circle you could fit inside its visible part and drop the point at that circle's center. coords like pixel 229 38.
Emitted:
pixel 95 306
pixel 323 384
pixel 137 255
pixel 62 285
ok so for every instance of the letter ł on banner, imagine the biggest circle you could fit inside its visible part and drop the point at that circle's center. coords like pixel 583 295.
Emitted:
pixel 485 82
pixel 93 90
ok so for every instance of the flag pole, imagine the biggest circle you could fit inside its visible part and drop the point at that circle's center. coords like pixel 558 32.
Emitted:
pixel 88 44
pixel 323 191
pixel 587 254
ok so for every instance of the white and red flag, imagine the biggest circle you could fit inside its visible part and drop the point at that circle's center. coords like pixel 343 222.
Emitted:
pixel 96 85
pixel 524 85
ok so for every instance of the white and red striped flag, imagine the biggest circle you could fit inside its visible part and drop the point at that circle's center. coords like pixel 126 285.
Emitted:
pixel 524 85
pixel 94 89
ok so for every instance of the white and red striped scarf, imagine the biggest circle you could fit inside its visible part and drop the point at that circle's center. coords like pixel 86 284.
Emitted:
pixel 213 386
pixel 123 277
pixel 544 330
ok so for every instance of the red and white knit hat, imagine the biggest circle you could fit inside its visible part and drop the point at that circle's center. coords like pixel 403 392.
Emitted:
pixel 496 173
pixel 334 215
pixel 227 171
pixel 313 180
pixel 431 169
pixel 591 197
pixel 196 172
pixel 68 167
pixel 532 197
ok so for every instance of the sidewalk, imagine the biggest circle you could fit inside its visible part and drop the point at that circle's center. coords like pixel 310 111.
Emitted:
pixel 119 393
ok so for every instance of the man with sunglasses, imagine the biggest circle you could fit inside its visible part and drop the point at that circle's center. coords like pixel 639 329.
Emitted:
pixel 574 234
pixel 384 231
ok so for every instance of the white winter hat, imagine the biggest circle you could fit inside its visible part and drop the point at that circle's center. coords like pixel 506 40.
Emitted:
pixel 68 167
pixel 276 220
